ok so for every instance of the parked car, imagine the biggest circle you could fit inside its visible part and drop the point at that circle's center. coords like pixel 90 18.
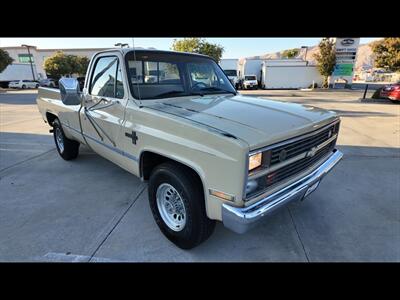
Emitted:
pixel 49 82
pixel 250 82
pixel 23 84
pixel 207 153
pixel 392 92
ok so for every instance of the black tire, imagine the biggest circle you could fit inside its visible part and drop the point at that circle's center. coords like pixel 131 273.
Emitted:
pixel 71 147
pixel 23 86
pixel 198 226
pixel 395 101
pixel 37 86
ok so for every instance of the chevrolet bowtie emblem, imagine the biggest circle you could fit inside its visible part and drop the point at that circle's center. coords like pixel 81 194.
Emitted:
pixel 282 155
pixel 312 152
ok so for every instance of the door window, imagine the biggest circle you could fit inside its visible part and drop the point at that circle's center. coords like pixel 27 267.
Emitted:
pixel 107 78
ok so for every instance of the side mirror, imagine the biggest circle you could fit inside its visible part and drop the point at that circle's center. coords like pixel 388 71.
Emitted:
pixel 70 91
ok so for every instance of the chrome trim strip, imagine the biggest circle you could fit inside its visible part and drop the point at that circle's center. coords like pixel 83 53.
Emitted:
pixel 328 141
pixel 290 160
pixel 240 219
pixel 123 153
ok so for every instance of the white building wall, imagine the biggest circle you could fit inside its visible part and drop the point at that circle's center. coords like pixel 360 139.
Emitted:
pixel 39 56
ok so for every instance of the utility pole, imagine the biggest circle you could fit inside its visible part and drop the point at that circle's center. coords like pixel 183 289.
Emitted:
pixel 30 60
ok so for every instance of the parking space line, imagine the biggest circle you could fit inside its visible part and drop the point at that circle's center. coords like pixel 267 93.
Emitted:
pixel 298 234
pixel 26 160
pixel 117 223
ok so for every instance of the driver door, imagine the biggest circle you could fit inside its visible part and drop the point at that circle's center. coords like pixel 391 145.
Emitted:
pixel 104 107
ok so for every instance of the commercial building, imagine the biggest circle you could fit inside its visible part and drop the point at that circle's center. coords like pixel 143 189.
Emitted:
pixel 21 67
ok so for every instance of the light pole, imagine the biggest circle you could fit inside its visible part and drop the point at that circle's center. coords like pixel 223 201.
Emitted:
pixel 305 55
pixel 30 60
pixel 121 45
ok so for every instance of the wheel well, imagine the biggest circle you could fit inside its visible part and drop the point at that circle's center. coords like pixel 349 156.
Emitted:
pixel 150 160
pixel 50 118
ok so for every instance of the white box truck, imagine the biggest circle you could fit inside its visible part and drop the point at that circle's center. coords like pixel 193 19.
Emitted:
pixel 289 76
pixel 16 72
pixel 230 68
pixel 249 67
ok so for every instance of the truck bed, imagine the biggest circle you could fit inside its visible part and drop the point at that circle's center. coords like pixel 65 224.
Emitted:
pixel 50 105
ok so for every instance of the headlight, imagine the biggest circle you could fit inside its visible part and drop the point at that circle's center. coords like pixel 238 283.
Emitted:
pixel 255 161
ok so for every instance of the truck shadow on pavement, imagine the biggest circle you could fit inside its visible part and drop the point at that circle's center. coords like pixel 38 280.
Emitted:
pixel 92 209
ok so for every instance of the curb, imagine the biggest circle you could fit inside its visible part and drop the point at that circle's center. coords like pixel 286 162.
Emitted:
pixel 373 100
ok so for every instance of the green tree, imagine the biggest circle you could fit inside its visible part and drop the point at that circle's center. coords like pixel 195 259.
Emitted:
pixel 57 65
pixel 198 45
pixel 326 59
pixel 61 64
pixel 5 60
pixel 290 53
pixel 387 54
pixel 83 64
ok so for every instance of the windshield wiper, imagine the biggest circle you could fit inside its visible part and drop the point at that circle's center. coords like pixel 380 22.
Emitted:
pixel 170 93
pixel 211 88
pixel 177 93
pixel 196 94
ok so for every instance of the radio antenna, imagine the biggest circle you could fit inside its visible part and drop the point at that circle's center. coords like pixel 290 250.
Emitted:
pixel 137 82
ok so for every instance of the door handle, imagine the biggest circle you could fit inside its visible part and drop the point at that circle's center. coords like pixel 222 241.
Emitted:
pixel 105 101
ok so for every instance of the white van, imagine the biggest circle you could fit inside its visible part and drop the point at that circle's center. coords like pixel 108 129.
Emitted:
pixel 250 82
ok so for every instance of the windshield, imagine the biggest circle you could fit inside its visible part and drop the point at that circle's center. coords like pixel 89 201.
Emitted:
pixel 230 72
pixel 153 75
pixel 250 78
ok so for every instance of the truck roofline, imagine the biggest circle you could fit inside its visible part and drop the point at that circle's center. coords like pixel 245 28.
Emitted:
pixel 123 51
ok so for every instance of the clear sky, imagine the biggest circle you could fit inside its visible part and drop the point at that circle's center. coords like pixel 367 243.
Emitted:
pixel 234 47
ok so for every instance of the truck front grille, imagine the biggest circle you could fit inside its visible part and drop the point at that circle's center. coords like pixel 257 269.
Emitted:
pixel 303 145
pixel 292 157
pixel 298 166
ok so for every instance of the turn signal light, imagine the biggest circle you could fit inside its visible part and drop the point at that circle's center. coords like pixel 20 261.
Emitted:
pixel 222 195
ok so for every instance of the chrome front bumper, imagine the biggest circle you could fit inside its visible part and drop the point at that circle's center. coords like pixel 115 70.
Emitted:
pixel 241 219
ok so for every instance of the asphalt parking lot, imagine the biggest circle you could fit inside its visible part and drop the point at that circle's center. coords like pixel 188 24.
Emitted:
pixel 91 210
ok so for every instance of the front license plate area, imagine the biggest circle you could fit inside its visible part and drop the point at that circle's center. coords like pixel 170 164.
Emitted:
pixel 311 189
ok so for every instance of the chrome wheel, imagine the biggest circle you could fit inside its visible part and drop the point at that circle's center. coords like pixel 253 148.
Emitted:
pixel 171 207
pixel 59 139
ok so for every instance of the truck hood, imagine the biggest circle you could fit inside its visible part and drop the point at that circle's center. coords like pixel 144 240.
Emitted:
pixel 258 122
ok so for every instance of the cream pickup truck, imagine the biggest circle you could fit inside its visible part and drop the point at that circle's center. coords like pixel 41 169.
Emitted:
pixel 208 153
